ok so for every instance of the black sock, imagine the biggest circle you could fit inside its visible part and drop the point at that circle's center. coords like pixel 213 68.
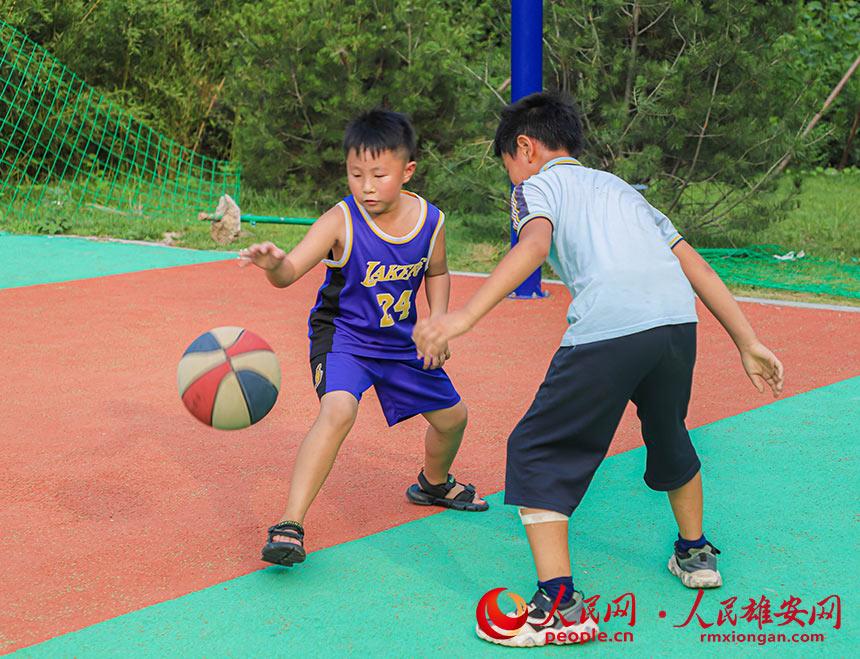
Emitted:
pixel 682 546
pixel 553 586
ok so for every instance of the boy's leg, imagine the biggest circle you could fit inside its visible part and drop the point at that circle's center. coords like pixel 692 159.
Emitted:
pixel 694 559
pixel 672 465
pixel 557 446
pixel 552 456
pixel 441 443
pixel 318 450
pixel 555 612
pixel 285 545
pixel 687 505
pixel 405 389
pixel 559 443
pixel 549 545
pixel 661 400
pixel 339 379
pixel 561 440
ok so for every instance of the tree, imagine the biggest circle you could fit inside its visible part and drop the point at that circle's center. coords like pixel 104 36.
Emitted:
pixel 698 99
pixel 687 97
pixel 305 70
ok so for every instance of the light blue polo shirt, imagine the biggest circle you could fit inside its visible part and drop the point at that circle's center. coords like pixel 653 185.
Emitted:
pixel 610 247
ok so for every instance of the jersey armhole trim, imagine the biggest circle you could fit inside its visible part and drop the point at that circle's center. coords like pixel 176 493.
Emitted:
pixel 347 249
pixel 675 241
pixel 533 216
pixel 434 236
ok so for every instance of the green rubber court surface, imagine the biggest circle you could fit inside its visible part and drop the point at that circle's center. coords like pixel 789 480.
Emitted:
pixel 130 529
pixel 412 590
pixel 29 260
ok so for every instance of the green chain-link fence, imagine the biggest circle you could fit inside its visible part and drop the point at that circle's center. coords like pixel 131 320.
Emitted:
pixel 760 267
pixel 62 144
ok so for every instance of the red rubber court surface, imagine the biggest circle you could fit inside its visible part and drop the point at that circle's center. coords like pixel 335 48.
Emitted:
pixel 115 498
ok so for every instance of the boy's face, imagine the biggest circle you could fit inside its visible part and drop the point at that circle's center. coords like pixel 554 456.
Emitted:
pixel 375 181
pixel 519 166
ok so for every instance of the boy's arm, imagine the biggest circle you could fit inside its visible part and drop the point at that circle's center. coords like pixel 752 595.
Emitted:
pixel 437 287
pixel 437 281
pixel 761 364
pixel 283 269
pixel 535 238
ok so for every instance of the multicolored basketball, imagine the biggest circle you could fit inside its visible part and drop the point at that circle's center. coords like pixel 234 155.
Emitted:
pixel 229 378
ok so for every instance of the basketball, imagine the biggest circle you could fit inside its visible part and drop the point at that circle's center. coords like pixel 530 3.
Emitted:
pixel 229 378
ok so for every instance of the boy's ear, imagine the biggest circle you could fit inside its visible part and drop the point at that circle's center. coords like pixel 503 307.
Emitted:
pixel 526 146
pixel 409 170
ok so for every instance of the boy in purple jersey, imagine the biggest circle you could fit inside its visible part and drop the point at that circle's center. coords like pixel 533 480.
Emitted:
pixel 378 245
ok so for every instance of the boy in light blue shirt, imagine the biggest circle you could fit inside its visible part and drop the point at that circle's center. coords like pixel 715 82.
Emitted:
pixel 632 337
pixel 621 272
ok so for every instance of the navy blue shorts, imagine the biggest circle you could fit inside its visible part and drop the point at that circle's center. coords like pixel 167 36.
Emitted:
pixel 562 439
pixel 403 387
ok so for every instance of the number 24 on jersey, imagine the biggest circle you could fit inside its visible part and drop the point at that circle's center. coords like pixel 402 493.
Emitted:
pixel 403 306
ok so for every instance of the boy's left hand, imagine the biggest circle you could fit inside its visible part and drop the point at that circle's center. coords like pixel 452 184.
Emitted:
pixel 763 368
pixel 431 337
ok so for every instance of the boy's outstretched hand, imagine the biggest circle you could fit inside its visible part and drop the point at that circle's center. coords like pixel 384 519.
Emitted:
pixel 267 256
pixel 431 336
pixel 763 368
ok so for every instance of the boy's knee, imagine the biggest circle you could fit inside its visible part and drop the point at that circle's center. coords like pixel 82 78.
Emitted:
pixel 460 417
pixel 453 420
pixel 338 409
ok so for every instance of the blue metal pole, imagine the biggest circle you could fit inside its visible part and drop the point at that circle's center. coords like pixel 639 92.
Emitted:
pixel 526 78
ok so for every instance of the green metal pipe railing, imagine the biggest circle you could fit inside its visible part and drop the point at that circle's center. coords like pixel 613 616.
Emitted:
pixel 271 219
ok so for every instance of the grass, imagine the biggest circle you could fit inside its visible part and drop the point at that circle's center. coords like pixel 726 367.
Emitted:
pixel 825 224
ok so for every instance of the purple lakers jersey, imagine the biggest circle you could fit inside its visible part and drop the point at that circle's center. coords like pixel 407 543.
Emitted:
pixel 367 303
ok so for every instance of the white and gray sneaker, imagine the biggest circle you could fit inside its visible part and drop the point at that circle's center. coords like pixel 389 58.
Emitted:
pixel 697 567
pixel 564 627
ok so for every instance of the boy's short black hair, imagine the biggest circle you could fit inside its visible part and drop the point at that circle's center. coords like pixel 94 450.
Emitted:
pixel 380 130
pixel 548 117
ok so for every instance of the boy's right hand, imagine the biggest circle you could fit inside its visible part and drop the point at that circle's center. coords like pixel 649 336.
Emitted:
pixel 763 368
pixel 267 256
pixel 431 336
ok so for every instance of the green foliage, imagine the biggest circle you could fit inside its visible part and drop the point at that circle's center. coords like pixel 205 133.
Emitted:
pixel 682 93
pixel 824 45
pixel 295 89
pixel 698 99
pixel 52 223
pixel 161 61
